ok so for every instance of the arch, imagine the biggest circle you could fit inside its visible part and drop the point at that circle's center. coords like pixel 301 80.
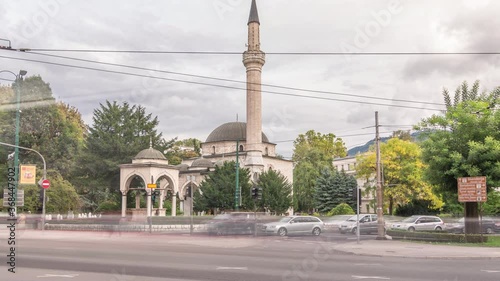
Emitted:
pixel 267 151
pixel 213 149
pixel 241 148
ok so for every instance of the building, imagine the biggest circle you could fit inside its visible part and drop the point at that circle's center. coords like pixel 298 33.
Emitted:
pixel 348 165
pixel 224 143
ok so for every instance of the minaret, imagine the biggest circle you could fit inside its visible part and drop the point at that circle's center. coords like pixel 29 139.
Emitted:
pixel 254 59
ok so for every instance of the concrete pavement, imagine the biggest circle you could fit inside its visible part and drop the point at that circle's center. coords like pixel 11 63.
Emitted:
pixel 393 248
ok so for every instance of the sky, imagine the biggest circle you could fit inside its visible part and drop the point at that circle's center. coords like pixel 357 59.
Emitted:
pixel 347 89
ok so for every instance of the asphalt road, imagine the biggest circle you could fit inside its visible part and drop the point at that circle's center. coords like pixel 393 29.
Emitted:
pixel 138 257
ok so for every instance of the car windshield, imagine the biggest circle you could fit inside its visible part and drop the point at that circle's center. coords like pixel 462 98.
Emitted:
pixel 285 219
pixel 410 219
pixel 353 218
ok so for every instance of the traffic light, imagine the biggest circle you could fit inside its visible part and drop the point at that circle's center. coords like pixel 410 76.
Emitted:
pixel 255 192
pixel 259 193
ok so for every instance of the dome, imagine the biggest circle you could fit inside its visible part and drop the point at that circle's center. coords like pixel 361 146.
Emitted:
pixel 150 153
pixel 202 163
pixel 231 131
pixel 182 167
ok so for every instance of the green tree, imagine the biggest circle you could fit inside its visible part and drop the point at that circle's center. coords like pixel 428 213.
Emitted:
pixel 276 192
pixel 183 149
pixel 313 151
pixel 334 188
pixel 341 209
pixel 217 190
pixel 402 173
pixel 464 141
pixel 118 133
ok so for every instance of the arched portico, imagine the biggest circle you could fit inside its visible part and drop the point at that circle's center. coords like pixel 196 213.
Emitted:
pixel 152 168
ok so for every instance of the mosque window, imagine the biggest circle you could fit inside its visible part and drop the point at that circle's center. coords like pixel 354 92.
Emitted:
pixel 267 151
pixel 213 149
pixel 241 148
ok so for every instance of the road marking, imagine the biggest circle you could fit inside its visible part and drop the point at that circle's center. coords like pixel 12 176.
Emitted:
pixel 231 268
pixel 56 275
pixel 491 271
pixel 370 277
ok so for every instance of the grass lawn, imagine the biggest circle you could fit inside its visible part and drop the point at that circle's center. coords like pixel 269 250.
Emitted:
pixel 493 241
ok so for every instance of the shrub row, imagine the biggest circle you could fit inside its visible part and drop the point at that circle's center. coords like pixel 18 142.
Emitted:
pixel 437 236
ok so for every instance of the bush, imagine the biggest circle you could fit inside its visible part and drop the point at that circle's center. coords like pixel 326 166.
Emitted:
pixel 416 206
pixel 341 209
pixel 437 236
pixel 107 206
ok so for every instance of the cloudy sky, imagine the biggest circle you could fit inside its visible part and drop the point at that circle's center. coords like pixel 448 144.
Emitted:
pixel 348 89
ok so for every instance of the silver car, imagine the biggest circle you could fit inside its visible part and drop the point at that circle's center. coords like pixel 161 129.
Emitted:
pixel 368 223
pixel 295 225
pixel 420 223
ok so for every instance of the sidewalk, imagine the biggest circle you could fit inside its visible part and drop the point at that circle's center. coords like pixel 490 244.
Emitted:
pixel 392 248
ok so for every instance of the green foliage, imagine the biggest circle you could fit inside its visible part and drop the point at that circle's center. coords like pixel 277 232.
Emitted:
pixel 107 206
pixel 32 202
pixel 276 192
pixel 403 173
pixel 219 189
pixel 183 149
pixel 118 133
pixel 334 188
pixel 312 152
pixel 341 209
pixel 416 207
pixel 492 206
pixel 61 196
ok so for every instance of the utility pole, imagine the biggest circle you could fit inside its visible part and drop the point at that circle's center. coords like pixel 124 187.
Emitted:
pixel 237 190
pixel 380 192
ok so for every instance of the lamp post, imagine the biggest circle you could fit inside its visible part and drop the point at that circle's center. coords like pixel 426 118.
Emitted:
pixel 18 112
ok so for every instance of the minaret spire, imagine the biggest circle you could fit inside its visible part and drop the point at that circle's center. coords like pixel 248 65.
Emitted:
pixel 254 59
pixel 254 14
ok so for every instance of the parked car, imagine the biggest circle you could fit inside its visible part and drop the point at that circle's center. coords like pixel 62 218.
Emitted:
pixel 488 226
pixel 333 223
pixel 367 224
pixel 294 225
pixel 232 223
pixel 420 223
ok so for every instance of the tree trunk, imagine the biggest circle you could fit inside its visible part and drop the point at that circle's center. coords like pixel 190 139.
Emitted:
pixel 391 205
pixel 472 218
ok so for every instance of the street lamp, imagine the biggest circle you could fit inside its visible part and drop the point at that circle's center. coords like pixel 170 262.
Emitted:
pixel 18 80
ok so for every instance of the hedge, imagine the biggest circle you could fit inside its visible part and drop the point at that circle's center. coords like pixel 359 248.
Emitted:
pixel 437 236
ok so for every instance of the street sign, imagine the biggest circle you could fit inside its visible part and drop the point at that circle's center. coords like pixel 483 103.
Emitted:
pixel 45 183
pixel 151 185
pixel 27 175
pixel 19 198
pixel 472 189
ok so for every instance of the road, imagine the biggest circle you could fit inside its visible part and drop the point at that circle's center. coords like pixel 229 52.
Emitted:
pixel 141 257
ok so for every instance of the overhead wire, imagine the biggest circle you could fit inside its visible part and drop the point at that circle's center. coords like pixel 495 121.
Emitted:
pixel 231 80
pixel 215 85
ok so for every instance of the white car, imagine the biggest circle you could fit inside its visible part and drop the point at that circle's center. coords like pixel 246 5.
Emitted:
pixel 294 225
pixel 420 223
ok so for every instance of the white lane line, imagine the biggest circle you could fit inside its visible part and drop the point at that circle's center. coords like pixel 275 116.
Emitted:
pixel 370 277
pixel 58 275
pixel 231 268
pixel 491 271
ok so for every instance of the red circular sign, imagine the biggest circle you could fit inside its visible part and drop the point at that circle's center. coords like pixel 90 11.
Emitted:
pixel 45 183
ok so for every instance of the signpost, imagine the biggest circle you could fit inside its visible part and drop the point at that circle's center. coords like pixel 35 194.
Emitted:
pixel 45 183
pixel 472 189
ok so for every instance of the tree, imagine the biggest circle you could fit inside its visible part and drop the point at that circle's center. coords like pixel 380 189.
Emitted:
pixel 341 209
pixel 402 172
pixel 312 152
pixel 183 149
pixel 118 133
pixel 464 141
pixel 276 192
pixel 217 191
pixel 334 188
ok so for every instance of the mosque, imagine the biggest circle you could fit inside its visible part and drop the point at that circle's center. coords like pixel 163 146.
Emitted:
pixel 245 140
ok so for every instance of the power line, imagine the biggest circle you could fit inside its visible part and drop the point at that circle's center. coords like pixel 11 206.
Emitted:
pixel 215 85
pixel 231 80
pixel 268 53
